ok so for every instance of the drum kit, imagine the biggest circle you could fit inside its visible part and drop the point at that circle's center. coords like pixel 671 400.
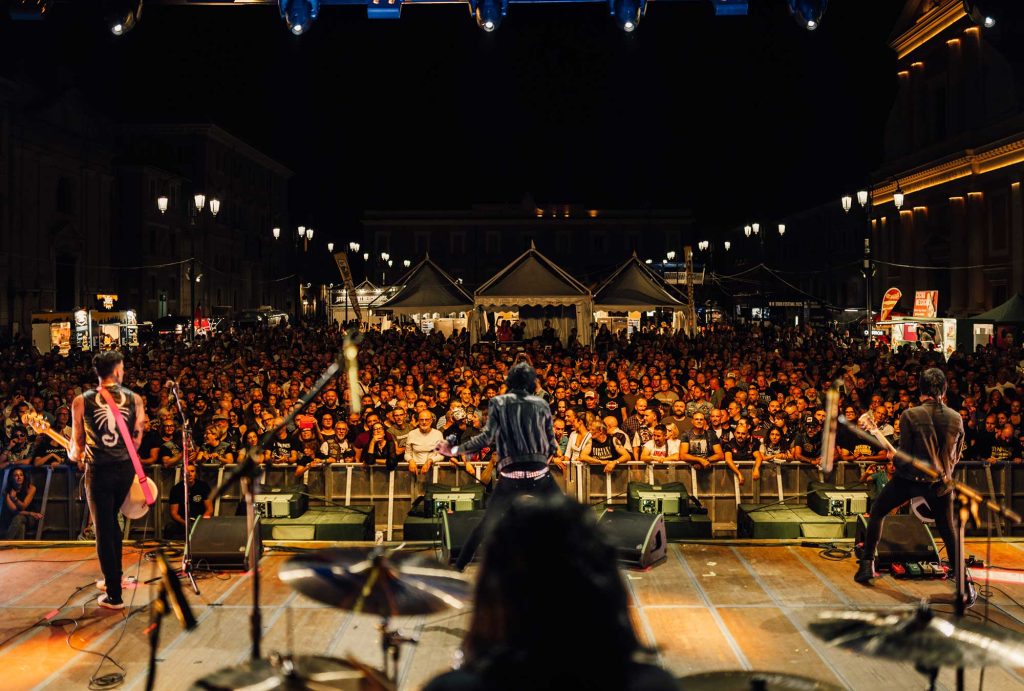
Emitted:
pixel 377 581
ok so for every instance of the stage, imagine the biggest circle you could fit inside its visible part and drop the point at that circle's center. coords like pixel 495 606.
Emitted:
pixel 710 606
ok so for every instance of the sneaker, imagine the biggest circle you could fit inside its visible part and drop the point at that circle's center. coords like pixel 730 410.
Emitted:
pixel 865 572
pixel 105 603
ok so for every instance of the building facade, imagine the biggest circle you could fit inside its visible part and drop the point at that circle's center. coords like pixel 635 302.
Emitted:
pixel 954 146
pixel 474 244
pixel 56 185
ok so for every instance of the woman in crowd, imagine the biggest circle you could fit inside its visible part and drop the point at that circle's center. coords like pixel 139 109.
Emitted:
pixel 524 633
pixel 18 495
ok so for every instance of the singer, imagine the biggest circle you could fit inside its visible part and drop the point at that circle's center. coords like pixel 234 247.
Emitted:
pixel 519 427
pixel 933 431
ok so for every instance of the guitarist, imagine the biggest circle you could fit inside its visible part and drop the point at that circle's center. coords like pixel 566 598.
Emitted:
pixel 935 432
pixel 109 476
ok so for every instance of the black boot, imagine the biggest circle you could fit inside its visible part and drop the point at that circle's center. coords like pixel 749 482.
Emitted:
pixel 865 572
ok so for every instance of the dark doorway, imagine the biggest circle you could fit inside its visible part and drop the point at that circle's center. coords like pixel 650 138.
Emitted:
pixel 65 281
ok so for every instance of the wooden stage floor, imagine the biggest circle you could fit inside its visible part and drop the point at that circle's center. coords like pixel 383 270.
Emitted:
pixel 708 607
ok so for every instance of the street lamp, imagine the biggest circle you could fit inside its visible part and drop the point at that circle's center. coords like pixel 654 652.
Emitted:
pixel 302 232
pixel 407 263
pixel 727 245
pixel 200 200
pixel 330 246
pixel 309 234
pixel 277 233
pixel 353 247
pixel 897 197
pixel 847 203
pixel 671 254
pixel 214 206
pixel 747 230
pixel 782 229
pixel 161 204
pixel 864 199
pixel 366 256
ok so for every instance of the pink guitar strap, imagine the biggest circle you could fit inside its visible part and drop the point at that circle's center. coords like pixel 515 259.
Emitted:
pixel 122 426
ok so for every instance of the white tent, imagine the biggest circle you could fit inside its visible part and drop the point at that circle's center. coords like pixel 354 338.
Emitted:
pixel 540 291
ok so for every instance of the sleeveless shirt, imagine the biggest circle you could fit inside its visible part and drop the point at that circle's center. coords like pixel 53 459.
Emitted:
pixel 107 445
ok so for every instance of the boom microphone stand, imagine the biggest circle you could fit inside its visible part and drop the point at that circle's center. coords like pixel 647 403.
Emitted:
pixel 249 470
pixel 186 555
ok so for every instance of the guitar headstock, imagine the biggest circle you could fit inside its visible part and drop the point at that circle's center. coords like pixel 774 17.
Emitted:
pixel 867 422
pixel 35 421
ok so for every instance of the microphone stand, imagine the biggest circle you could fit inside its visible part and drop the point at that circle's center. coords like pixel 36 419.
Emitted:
pixel 187 567
pixel 249 470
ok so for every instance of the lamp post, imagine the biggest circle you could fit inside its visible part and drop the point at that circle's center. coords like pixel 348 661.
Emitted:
pixel 867 270
pixel 384 263
pixel 199 203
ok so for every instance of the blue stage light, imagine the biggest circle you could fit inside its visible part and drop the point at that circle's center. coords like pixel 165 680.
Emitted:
pixel 627 13
pixel 807 13
pixel 489 13
pixel 299 14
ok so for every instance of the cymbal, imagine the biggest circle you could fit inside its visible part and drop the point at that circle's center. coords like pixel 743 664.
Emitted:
pixel 921 637
pixel 301 672
pixel 749 681
pixel 375 581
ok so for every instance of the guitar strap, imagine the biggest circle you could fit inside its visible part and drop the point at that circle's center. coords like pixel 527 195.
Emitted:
pixel 126 436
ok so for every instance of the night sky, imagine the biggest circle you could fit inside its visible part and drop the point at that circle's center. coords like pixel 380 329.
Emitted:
pixel 734 117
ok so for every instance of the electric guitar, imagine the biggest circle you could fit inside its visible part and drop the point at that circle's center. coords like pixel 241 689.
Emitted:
pixel 134 505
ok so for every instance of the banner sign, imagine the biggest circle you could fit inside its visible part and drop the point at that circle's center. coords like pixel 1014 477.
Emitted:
pixel 889 300
pixel 926 303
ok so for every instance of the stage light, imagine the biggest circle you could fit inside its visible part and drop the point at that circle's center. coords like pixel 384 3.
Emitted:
pixel 980 12
pixel 627 13
pixel 807 13
pixel 299 14
pixel 489 13
pixel 122 15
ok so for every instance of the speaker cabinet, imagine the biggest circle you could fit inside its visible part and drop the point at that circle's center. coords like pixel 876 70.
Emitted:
pixel 222 543
pixel 455 529
pixel 904 538
pixel 639 538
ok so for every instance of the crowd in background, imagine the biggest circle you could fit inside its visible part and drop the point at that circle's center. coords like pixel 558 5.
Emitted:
pixel 732 393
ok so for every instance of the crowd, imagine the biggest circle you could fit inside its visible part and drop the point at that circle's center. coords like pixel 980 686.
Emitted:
pixel 733 393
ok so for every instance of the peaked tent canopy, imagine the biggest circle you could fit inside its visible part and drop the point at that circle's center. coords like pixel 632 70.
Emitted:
pixel 634 287
pixel 1010 312
pixel 428 288
pixel 534 284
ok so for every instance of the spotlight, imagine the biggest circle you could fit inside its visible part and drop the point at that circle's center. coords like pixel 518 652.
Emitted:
pixel 489 13
pixel 807 13
pixel 299 14
pixel 627 13
pixel 122 15
pixel 980 12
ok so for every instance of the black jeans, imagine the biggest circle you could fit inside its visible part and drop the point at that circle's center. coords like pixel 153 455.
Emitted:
pixel 106 488
pixel 900 490
pixel 505 492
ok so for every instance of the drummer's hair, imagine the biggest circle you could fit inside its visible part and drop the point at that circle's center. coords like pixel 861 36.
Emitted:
pixel 541 550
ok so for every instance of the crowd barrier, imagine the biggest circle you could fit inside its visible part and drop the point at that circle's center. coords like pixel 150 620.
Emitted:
pixel 60 493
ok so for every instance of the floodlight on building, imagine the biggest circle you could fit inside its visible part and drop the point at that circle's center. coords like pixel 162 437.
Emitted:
pixel 299 14
pixel 807 13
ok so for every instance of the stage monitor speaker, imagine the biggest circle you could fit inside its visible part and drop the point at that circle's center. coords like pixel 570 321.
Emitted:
pixel 639 538
pixel 221 543
pixel 904 539
pixel 455 529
